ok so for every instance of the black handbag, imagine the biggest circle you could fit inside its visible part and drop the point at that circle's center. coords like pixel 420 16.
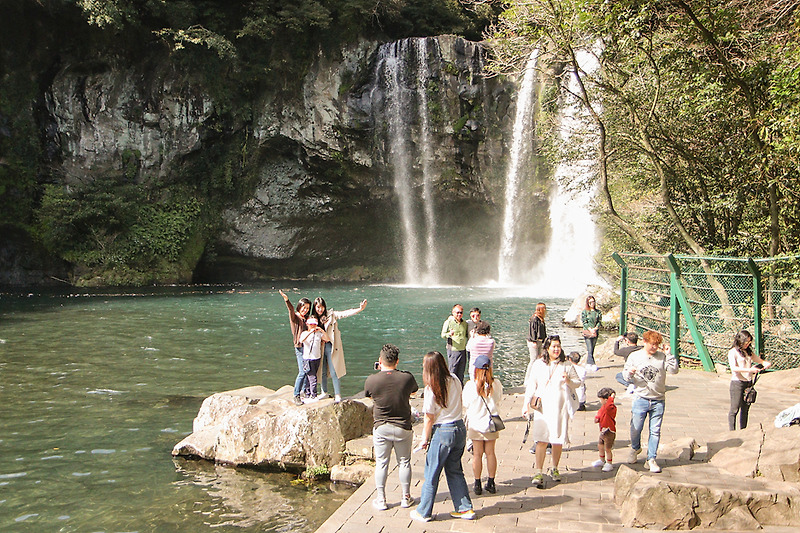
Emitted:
pixel 495 422
pixel 750 393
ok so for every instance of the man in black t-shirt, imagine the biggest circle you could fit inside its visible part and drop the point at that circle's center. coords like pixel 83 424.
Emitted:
pixel 390 390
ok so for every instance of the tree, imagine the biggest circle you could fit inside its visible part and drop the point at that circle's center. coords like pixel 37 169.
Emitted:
pixel 688 98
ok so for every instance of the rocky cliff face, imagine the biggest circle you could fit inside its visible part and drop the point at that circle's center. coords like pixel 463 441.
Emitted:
pixel 386 150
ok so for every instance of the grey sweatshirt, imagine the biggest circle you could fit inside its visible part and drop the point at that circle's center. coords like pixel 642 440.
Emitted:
pixel 649 373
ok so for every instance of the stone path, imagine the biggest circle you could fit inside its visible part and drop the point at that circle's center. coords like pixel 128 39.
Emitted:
pixel 697 406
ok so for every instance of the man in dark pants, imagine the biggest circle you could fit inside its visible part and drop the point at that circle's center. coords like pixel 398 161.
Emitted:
pixel 455 330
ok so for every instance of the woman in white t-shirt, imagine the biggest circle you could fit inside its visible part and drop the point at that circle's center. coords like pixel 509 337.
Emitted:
pixel 444 438
pixel 481 399
pixel 740 361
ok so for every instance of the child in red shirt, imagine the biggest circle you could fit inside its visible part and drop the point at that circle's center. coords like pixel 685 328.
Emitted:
pixel 607 418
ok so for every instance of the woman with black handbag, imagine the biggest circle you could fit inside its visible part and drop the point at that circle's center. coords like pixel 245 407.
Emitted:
pixel 744 366
pixel 481 399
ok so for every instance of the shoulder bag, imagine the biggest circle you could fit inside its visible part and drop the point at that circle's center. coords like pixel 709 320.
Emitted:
pixel 750 394
pixel 495 422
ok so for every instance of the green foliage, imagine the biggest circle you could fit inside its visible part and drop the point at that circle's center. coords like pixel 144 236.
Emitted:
pixel 120 231
pixel 699 112
pixel 197 35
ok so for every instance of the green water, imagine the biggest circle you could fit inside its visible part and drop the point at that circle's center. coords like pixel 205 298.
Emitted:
pixel 96 389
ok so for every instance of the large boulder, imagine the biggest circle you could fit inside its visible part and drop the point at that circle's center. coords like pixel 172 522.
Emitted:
pixel 256 426
pixel 720 502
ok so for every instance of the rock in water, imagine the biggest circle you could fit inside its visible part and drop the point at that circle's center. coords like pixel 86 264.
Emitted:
pixel 256 426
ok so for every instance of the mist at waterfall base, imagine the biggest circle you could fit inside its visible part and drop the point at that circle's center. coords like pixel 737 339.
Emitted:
pixel 520 242
pixel 97 388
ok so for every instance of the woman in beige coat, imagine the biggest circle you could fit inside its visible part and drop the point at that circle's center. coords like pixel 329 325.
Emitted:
pixel 333 358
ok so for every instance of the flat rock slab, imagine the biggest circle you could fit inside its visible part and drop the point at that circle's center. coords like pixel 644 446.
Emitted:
pixel 718 502
pixel 257 426
pixel 760 450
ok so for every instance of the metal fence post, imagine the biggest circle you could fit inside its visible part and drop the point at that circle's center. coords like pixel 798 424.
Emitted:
pixel 758 300
pixel 623 296
pixel 677 290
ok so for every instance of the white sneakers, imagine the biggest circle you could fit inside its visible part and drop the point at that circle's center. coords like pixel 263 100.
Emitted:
pixel 380 504
pixel 634 456
pixel 652 465
pixel 607 467
pixel 323 396
pixel 337 399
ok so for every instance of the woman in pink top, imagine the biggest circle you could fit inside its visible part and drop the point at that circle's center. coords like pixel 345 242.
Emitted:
pixel 481 343
pixel 740 361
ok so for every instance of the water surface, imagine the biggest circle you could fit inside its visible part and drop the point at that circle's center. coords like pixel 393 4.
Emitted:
pixel 96 389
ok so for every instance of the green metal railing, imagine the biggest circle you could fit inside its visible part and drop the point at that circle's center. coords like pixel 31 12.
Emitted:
pixel 699 303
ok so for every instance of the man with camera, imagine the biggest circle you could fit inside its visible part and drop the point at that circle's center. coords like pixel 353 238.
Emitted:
pixel 390 390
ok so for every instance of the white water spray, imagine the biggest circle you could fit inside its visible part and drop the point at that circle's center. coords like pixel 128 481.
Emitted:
pixel 431 274
pixel 568 266
pixel 389 66
pixel 523 128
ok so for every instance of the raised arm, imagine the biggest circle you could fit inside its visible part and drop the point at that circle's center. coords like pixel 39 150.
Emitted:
pixel 350 312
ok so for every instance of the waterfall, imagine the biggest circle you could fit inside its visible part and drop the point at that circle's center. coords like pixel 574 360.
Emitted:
pixel 390 70
pixel 521 140
pixel 404 71
pixel 430 276
pixel 568 265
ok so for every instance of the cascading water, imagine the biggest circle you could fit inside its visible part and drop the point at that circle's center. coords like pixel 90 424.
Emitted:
pixel 430 276
pixel 390 72
pixel 568 265
pixel 520 149
pixel 404 89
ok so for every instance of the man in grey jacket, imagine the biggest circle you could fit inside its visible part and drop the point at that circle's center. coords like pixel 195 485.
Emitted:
pixel 647 370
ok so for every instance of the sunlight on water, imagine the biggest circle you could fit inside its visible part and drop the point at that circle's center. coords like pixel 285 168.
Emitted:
pixel 97 388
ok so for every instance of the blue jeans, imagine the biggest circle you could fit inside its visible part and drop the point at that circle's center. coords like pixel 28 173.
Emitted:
pixel 327 365
pixel 444 453
pixel 640 408
pixel 591 342
pixel 301 374
pixel 621 380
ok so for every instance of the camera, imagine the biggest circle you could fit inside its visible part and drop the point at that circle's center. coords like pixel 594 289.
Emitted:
pixel 377 365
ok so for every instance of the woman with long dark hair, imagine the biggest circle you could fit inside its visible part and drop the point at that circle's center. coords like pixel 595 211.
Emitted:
pixel 297 323
pixel 444 437
pixel 537 333
pixel 548 396
pixel 333 356
pixel 741 359
pixel 481 399
pixel 591 318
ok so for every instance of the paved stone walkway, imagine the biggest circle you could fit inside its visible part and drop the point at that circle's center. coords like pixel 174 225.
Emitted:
pixel 697 406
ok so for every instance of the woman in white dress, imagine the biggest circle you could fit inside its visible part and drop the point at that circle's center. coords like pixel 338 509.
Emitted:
pixel 548 396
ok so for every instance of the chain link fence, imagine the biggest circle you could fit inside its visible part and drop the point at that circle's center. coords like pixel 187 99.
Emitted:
pixel 724 295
